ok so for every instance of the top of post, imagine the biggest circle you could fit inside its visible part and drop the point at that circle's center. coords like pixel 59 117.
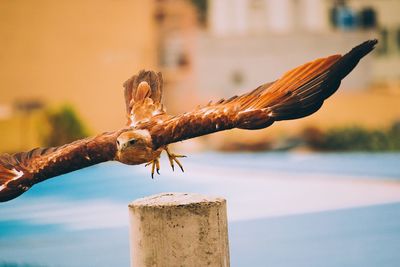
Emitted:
pixel 175 199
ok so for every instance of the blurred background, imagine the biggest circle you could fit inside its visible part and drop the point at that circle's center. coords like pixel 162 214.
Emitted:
pixel 69 59
pixel 62 67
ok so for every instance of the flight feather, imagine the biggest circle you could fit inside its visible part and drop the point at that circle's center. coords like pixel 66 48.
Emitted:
pixel 298 93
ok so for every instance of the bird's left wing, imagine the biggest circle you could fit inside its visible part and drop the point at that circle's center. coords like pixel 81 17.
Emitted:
pixel 21 171
pixel 143 93
pixel 298 93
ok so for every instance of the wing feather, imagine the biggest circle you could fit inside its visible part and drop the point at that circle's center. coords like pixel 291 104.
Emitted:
pixel 143 102
pixel 21 171
pixel 298 93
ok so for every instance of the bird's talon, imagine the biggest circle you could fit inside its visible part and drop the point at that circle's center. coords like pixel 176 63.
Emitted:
pixel 179 164
pixel 174 158
pixel 155 166
pixel 158 166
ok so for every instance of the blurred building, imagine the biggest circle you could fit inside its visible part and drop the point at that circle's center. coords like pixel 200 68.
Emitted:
pixel 255 41
pixel 386 65
pixel 248 42
pixel 240 44
pixel 178 30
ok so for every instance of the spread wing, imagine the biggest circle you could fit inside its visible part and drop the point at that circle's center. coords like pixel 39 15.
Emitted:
pixel 298 93
pixel 143 94
pixel 21 171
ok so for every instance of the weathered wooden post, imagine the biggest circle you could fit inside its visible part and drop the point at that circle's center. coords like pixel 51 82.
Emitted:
pixel 179 229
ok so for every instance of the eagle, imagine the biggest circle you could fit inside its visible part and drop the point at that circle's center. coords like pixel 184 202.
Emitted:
pixel 149 130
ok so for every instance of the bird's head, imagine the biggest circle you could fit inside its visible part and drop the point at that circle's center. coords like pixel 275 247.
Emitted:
pixel 133 146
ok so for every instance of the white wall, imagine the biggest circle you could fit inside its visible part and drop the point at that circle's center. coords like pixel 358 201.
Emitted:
pixel 263 59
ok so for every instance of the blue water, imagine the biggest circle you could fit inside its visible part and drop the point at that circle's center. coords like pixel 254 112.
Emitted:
pixel 355 237
pixel 80 219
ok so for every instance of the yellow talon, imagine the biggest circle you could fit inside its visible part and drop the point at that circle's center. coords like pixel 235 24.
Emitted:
pixel 174 158
pixel 158 166
pixel 155 165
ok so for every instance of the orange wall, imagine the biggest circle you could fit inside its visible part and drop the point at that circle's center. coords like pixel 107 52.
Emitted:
pixel 75 51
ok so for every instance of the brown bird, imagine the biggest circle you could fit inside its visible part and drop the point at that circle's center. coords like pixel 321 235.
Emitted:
pixel 298 93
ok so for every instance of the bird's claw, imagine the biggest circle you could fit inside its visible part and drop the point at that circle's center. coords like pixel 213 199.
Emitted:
pixel 174 158
pixel 155 165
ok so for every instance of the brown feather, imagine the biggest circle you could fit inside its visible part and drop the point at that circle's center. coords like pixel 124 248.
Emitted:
pixel 298 93
pixel 143 101
pixel 143 90
pixel 43 163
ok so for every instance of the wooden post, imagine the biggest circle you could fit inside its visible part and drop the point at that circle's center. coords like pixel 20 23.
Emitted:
pixel 179 229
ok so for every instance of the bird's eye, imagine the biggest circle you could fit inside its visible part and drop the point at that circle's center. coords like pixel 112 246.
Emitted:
pixel 117 143
pixel 132 141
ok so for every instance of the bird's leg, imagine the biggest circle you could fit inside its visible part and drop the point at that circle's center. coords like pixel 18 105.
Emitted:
pixel 174 157
pixel 155 165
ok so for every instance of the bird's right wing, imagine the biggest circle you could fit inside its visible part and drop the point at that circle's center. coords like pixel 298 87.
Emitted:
pixel 20 171
pixel 298 93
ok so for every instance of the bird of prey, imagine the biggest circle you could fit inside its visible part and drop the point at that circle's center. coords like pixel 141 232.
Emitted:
pixel 298 93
